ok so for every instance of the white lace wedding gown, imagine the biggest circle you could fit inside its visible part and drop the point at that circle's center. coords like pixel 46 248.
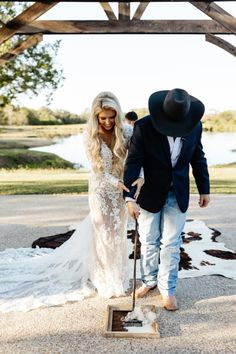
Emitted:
pixel 93 261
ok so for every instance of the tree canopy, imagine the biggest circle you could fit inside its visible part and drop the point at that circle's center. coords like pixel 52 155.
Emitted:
pixel 32 72
pixel 11 115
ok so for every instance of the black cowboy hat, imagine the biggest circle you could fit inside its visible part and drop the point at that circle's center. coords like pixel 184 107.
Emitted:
pixel 174 112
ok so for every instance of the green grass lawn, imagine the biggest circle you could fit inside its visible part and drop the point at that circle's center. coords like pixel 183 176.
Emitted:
pixel 15 142
pixel 223 180
pixel 23 171
pixel 48 181
pixel 56 181
pixel 17 158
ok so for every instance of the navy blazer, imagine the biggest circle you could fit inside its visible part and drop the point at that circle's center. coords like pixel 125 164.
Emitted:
pixel 150 149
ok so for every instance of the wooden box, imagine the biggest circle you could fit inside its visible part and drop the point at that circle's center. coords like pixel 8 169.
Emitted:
pixel 114 326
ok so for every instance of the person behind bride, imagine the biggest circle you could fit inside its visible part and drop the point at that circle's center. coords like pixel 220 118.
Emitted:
pixel 94 259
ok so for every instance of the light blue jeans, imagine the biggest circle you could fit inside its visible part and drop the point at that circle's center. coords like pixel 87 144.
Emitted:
pixel 160 237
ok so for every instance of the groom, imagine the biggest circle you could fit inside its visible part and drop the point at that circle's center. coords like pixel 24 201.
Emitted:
pixel 165 143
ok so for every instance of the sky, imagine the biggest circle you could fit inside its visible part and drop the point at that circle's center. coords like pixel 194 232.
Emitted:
pixel 135 66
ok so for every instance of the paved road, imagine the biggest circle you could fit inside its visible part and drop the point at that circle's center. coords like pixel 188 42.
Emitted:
pixel 205 323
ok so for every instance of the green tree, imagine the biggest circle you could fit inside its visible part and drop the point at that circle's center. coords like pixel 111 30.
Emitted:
pixel 220 122
pixel 141 112
pixel 32 72
pixel 66 117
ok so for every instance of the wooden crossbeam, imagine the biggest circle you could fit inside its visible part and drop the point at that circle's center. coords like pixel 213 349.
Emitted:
pixel 123 27
pixel 26 17
pixel 124 10
pixel 218 14
pixel 108 10
pixel 221 43
pixel 219 9
pixel 20 47
pixel 140 10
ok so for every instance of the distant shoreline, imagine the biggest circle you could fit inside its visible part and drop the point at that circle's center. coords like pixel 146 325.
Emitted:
pixel 32 172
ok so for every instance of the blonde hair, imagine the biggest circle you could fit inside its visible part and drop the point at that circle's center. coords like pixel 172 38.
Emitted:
pixel 103 101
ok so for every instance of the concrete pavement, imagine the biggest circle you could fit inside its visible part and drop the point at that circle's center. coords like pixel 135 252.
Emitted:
pixel 205 323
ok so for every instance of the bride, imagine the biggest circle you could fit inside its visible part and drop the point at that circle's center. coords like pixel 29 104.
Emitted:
pixel 94 259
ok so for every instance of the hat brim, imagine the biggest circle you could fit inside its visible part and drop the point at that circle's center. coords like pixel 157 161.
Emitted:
pixel 167 126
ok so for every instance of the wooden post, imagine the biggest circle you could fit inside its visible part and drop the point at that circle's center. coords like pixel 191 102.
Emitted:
pixel 124 11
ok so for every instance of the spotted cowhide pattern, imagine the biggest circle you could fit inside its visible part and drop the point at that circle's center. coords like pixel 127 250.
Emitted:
pixel 202 253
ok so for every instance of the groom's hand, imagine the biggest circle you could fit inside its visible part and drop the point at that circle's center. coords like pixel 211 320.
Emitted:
pixel 204 200
pixel 133 209
pixel 138 183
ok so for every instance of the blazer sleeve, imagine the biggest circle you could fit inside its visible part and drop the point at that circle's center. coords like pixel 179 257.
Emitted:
pixel 199 167
pixel 134 161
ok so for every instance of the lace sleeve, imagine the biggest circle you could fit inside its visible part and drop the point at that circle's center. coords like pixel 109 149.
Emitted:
pixel 111 179
pixel 128 132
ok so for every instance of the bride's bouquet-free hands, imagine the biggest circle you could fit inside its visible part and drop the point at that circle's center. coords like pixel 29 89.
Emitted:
pixel 139 183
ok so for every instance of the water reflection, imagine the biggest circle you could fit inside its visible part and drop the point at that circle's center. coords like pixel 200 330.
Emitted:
pixel 220 148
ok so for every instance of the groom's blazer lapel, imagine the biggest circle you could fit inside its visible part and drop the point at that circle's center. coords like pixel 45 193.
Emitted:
pixel 187 141
pixel 166 148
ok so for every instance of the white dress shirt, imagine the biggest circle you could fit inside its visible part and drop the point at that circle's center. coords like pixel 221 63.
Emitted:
pixel 175 149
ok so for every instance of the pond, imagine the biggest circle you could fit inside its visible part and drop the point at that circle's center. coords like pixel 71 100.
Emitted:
pixel 220 148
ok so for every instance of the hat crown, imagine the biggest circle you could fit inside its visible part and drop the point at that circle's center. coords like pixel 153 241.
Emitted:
pixel 174 112
pixel 177 104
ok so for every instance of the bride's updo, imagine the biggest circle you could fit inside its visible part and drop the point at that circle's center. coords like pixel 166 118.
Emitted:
pixel 106 100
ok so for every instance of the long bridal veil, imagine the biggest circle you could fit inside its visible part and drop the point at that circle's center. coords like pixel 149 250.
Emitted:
pixel 32 278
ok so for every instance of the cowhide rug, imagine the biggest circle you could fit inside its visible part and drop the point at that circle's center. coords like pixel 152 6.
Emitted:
pixel 201 253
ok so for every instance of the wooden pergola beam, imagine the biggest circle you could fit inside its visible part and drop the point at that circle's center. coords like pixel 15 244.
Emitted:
pixel 217 13
pixel 20 47
pixel 221 43
pixel 125 27
pixel 124 10
pixel 140 10
pixel 26 17
pixel 66 1
pixel 108 10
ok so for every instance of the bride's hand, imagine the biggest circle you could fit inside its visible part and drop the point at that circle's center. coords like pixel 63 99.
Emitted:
pixel 139 183
pixel 133 209
pixel 122 187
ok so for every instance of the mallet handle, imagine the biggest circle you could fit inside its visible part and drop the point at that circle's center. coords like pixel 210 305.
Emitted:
pixel 135 256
